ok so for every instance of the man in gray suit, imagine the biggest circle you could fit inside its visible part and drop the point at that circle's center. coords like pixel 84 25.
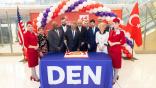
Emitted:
pixel 55 39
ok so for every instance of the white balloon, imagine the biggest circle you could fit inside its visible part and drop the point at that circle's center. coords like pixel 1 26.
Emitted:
pixel 50 14
pixel 51 9
pixel 108 18
pixel 108 9
pixel 103 17
pixel 65 8
pixel 112 18
pixel 38 24
pixel 48 20
pixel 94 10
pixel 100 9
pixel 39 18
pixel 40 15
pixel 129 49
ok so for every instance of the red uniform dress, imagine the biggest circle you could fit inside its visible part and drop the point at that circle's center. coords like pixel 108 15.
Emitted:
pixel 31 39
pixel 115 51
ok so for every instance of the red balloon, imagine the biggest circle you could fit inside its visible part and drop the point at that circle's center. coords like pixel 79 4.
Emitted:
pixel 63 3
pixel 54 15
pixel 88 7
pixel 60 6
pixel 57 10
pixel 96 5
pixel 92 6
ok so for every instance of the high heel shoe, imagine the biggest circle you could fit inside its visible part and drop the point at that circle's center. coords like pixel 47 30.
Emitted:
pixel 115 81
pixel 34 79
pixel 117 77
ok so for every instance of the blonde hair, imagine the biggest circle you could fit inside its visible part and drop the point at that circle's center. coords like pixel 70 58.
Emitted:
pixel 101 24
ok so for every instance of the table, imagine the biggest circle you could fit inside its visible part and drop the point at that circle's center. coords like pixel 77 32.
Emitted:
pixel 92 72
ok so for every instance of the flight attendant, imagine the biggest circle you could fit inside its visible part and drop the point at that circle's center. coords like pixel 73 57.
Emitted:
pixel 116 40
pixel 31 43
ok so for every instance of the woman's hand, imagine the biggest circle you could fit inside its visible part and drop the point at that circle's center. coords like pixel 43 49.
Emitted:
pixel 36 47
pixel 113 43
pixel 100 48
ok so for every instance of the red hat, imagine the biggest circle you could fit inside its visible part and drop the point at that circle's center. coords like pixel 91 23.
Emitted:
pixel 29 22
pixel 116 20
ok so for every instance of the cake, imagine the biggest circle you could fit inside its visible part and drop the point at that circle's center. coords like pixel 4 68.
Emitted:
pixel 76 54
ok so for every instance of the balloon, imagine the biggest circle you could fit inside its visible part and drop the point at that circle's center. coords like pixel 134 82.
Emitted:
pixel 76 4
pixel 101 14
pixel 96 5
pixel 57 10
pixel 50 14
pixel 48 10
pixel 40 15
pixel 88 7
pixel 44 19
pixel 97 14
pixel 38 24
pixel 54 15
pixel 63 3
pixel 39 18
pixel 52 9
pixel 43 24
pixel 45 14
pixel 60 6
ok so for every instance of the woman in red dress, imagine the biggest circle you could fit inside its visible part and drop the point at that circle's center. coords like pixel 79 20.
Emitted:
pixel 116 40
pixel 31 43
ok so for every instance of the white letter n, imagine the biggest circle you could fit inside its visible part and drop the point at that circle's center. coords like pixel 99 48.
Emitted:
pixel 89 73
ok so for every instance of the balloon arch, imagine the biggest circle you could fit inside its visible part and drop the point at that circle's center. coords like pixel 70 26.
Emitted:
pixel 89 6
pixel 74 6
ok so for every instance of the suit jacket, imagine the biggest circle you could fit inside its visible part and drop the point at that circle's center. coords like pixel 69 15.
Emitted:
pixel 55 41
pixel 65 36
pixel 91 38
pixel 73 41
pixel 82 38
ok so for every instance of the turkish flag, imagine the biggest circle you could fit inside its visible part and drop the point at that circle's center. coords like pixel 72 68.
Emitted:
pixel 133 25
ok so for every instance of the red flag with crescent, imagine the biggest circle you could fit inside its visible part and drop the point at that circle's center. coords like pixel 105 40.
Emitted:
pixel 133 25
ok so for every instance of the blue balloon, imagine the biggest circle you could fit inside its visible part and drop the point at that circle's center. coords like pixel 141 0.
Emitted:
pixel 43 23
pixel 72 7
pixel 129 42
pixel 48 10
pixel 76 4
pixel 101 14
pixel 81 1
pixel 97 14
pixel 45 14
pixel 67 11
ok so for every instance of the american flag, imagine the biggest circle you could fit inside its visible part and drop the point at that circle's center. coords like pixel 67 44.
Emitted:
pixel 21 29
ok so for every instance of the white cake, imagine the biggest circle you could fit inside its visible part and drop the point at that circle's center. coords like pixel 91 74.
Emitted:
pixel 76 54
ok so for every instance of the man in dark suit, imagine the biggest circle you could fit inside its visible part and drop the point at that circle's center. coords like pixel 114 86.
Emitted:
pixel 65 28
pixel 55 38
pixel 83 36
pixel 91 33
pixel 86 24
pixel 73 38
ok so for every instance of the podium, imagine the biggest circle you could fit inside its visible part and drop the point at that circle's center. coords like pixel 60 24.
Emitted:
pixel 92 72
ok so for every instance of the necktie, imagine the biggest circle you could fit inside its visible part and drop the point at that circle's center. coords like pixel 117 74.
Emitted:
pixel 73 34
pixel 93 30
pixel 80 29
pixel 58 33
